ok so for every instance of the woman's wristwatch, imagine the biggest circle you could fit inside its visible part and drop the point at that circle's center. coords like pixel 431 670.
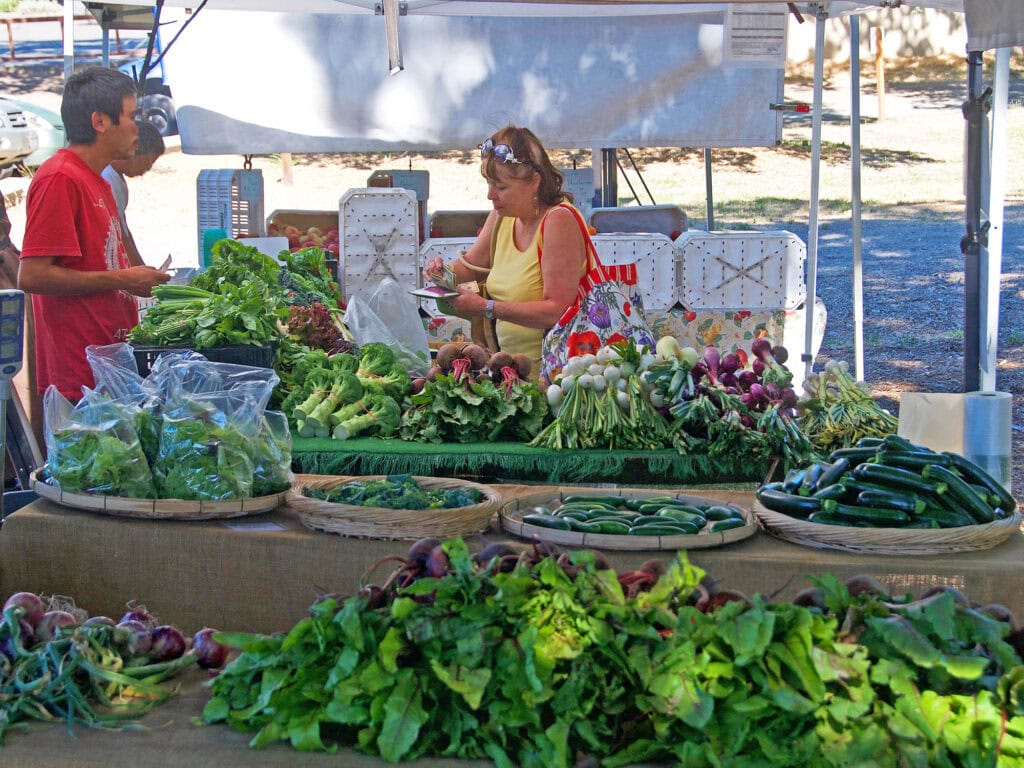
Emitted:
pixel 489 309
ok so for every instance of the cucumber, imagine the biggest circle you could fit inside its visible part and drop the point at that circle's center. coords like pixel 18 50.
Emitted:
pixel 610 527
pixel 722 512
pixel 959 490
pixel 896 478
pixel 975 474
pixel 909 503
pixel 676 515
pixel 548 521
pixel 787 503
pixel 651 520
pixel 824 518
pixel 573 514
pixel 608 501
pixel 878 516
pixel 635 504
pixel 725 525
pixel 626 520
pixel 680 529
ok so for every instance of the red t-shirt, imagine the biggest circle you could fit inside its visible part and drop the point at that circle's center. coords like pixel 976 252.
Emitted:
pixel 71 215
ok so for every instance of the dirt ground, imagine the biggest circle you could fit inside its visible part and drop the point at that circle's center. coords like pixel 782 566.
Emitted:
pixel 912 187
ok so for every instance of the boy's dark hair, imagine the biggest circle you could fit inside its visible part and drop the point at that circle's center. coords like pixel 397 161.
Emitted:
pixel 150 140
pixel 93 89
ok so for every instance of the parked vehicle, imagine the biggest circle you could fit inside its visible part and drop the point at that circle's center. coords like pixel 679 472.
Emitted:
pixel 49 128
pixel 17 139
pixel 156 103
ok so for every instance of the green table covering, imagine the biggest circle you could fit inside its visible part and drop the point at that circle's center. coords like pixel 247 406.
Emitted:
pixel 517 462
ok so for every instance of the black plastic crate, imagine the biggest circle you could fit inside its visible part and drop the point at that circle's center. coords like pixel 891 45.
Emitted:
pixel 238 354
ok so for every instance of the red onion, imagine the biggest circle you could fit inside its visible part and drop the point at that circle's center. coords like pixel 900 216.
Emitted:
pixel 168 643
pixel 136 637
pixel 49 626
pixel 30 604
pixel 140 615
pixel 209 653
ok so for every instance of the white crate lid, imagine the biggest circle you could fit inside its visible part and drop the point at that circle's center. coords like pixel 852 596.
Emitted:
pixel 655 259
pixel 379 237
pixel 445 248
pixel 750 270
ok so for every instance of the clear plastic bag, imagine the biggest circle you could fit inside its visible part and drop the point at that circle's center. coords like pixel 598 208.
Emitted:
pixel 115 371
pixel 93 447
pixel 272 455
pixel 390 315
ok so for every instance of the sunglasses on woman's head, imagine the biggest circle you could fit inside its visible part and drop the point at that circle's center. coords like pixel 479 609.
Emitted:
pixel 503 152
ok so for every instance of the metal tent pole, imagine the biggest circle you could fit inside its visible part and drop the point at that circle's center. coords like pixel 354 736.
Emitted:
pixel 855 200
pixel 974 109
pixel 69 39
pixel 991 261
pixel 709 202
pixel 812 226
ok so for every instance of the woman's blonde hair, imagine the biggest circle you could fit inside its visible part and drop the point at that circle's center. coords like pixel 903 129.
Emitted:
pixel 532 157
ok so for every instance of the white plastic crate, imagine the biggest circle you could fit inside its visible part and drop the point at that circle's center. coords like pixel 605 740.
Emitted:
pixel 445 248
pixel 378 236
pixel 752 270
pixel 655 259
pixel 669 220
pixel 232 200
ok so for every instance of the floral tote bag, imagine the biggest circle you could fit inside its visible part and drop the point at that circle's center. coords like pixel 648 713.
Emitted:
pixel 602 314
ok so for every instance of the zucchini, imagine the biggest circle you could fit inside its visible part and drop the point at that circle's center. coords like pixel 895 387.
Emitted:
pixel 912 460
pixel 945 517
pixel 722 512
pixel 925 523
pixel 610 527
pixel 905 502
pixel 896 478
pixel 548 521
pixel 824 518
pixel 810 482
pixel 854 455
pixel 835 470
pixel 626 520
pixel 787 503
pixel 725 525
pixel 834 491
pixel 868 442
pixel 794 479
pixel 677 515
pixel 961 491
pixel 897 443
pixel 575 514
pixel 880 517
pixel 975 474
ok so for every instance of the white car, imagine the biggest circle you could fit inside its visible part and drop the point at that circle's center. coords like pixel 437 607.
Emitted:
pixel 17 139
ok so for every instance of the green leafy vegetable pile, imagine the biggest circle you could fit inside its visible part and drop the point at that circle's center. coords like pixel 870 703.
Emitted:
pixel 395 492
pixel 89 460
pixel 532 660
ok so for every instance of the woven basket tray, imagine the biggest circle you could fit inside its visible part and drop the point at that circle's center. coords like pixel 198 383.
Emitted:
pixel 157 509
pixel 887 541
pixel 513 511
pixel 381 523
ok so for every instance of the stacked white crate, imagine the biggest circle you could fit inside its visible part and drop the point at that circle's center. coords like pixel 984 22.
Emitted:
pixel 230 199
pixel 379 237
pixel 761 273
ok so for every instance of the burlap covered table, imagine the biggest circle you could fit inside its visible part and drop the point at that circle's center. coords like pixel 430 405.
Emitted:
pixel 261 573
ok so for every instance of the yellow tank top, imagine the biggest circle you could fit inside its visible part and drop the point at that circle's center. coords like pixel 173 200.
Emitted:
pixel 516 276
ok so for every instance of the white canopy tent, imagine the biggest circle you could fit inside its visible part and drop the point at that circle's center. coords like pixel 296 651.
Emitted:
pixel 991 24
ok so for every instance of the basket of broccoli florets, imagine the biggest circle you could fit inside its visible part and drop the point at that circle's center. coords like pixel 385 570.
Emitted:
pixel 393 506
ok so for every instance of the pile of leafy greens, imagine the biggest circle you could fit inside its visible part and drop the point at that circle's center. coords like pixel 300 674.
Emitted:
pixel 549 662
pixel 395 492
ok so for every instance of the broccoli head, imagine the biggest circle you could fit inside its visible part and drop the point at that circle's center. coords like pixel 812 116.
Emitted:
pixel 375 359
pixel 396 382
pixel 378 414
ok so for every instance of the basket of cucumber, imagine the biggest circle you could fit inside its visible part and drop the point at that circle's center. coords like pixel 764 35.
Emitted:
pixel 626 519
pixel 889 496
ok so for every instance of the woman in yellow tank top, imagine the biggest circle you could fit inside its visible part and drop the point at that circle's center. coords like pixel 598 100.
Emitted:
pixel 539 254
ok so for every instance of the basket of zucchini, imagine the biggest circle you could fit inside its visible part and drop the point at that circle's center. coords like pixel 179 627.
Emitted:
pixel 889 496
pixel 627 519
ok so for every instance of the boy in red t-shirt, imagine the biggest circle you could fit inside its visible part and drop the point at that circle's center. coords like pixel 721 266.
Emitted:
pixel 73 258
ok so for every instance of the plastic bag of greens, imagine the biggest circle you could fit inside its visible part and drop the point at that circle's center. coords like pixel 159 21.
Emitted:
pixel 115 371
pixel 272 455
pixel 93 447
pixel 189 377
pixel 205 444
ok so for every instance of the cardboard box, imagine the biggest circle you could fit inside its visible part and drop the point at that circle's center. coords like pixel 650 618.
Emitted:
pixel 301 220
